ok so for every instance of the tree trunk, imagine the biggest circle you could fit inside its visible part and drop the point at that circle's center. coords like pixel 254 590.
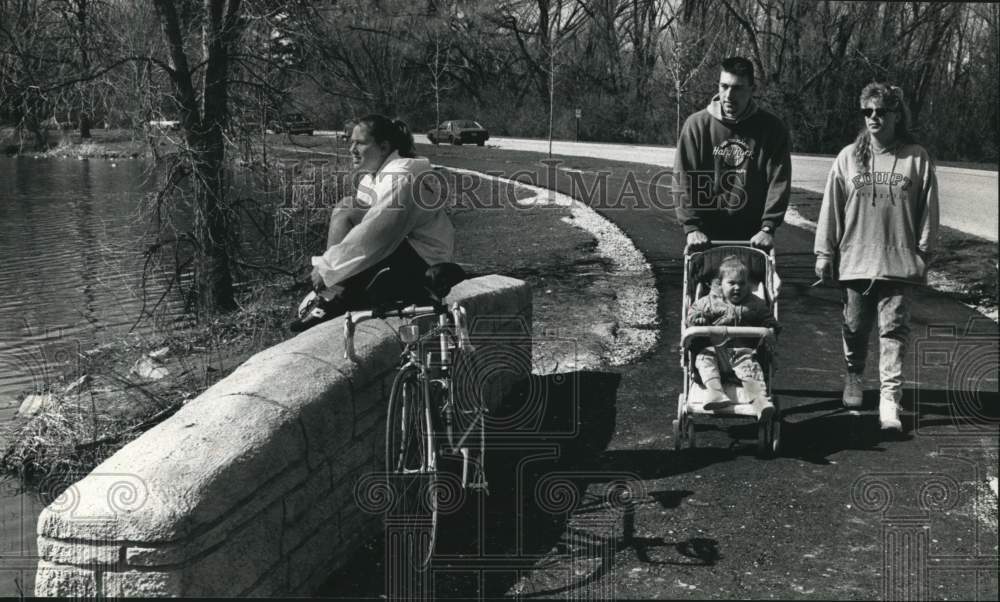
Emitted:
pixel 215 284
pixel 82 18
pixel 212 227
pixel 203 125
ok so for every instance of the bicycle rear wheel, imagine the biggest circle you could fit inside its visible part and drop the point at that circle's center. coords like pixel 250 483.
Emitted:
pixel 411 466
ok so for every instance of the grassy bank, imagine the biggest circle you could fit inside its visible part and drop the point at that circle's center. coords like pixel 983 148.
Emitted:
pixel 104 144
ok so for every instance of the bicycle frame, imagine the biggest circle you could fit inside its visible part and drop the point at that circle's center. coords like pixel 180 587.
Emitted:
pixel 451 333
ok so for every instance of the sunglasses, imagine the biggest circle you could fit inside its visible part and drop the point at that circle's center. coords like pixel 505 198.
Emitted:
pixel 879 112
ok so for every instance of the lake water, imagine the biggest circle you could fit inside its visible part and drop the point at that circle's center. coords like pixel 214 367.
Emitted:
pixel 69 270
pixel 70 273
pixel 72 236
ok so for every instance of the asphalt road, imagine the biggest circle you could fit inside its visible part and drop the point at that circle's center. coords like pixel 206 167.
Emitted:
pixel 597 504
pixel 968 196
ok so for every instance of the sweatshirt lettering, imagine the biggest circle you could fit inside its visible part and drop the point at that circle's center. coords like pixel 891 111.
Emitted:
pixel 733 152
pixel 884 178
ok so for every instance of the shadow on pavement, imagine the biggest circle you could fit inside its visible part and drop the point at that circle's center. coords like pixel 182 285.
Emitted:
pixel 814 430
pixel 542 462
pixel 651 464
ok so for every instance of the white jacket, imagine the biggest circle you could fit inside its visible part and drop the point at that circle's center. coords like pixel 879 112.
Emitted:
pixel 403 201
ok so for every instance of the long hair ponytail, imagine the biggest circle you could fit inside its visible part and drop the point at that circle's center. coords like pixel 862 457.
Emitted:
pixel 892 98
pixel 393 131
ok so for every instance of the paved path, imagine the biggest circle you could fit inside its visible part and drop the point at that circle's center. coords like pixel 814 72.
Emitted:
pixel 968 196
pixel 842 514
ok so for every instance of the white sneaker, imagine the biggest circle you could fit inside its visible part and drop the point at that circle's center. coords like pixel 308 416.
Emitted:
pixel 888 415
pixel 853 390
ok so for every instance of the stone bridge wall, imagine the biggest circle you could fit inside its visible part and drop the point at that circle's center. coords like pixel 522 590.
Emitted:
pixel 253 487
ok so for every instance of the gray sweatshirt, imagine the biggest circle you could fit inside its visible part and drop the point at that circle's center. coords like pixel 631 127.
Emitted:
pixel 874 221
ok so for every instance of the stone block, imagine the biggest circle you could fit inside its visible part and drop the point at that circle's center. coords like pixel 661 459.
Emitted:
pixel 271 585
pixel 140 584
pixel 371 406
pixel 181 552
pixel 80 553
pixel 237 564
pixel 492 295
pixel 56 580
pixel 192 470
pixel 301 499
pixel 356 521
pixel 350 458
pixel 324 509
pixel 314 553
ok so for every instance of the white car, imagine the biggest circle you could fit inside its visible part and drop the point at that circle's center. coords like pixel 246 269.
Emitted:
pixel 166 124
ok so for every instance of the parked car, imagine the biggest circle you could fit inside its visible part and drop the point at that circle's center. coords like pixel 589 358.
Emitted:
pixel 345 134
pixel 165 124
pixel 292 123
pixel 459 131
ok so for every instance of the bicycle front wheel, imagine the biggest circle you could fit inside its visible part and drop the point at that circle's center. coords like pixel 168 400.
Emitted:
pixel 411 466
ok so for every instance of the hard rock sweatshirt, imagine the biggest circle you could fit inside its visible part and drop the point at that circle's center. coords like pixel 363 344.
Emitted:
pixel 732 176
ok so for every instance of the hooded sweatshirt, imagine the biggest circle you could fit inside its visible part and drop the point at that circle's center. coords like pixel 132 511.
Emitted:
pixel 733 176
pixel 875 219
pixel 403 202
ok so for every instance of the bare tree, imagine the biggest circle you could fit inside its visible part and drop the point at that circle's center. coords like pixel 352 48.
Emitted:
pixel 684 52
pixel 203 107
pixel 538 27
pixel 79 23
pixel 439 66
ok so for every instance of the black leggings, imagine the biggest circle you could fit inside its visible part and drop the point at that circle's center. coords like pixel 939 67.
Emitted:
pixel 408 269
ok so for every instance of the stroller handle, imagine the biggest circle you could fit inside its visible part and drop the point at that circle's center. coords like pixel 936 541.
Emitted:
pixel 720 243
pixel 724 243
pixel 736 332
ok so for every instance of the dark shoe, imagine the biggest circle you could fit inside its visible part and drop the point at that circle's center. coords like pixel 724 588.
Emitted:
pixel 317 307
pixel 854 389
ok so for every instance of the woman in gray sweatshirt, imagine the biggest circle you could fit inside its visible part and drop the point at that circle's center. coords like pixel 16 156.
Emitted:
pixel 876 232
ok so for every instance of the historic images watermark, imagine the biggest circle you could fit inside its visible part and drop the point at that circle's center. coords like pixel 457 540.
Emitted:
pixel 321 184
pixel 909 508
pixel 964 359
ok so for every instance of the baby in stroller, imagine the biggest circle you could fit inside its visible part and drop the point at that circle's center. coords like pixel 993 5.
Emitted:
pixel 731 302
pixel 730 310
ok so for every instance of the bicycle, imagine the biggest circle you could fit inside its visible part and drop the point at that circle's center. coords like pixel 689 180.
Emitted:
pixel 423 410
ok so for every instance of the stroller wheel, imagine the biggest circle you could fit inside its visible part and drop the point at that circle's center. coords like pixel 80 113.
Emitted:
pixel 765 433
pixel 690 434
pixel 776 436
pixel 676 425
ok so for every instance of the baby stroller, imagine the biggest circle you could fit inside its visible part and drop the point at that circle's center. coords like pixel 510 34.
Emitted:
pixel 700 268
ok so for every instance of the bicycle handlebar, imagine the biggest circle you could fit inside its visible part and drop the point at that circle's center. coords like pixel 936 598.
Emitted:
pixel 351 320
